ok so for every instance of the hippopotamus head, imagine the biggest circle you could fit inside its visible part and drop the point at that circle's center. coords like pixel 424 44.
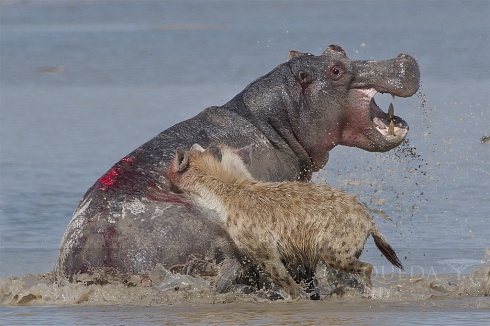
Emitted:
pixel 330 101
pixel 338 97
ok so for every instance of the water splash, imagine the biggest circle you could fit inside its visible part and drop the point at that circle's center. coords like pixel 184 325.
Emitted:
pixel 164 287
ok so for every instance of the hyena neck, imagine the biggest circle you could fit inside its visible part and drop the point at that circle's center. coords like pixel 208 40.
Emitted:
pixel 214 187
pixel 209 200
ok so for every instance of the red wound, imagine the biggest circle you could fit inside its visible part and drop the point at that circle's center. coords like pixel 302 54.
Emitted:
pixel 110 178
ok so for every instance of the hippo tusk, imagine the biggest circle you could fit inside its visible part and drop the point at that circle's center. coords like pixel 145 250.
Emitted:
pixel 391 128
pixel 391 112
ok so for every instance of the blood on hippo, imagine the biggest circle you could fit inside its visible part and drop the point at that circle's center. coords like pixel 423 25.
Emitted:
pixel 123 177
pixel 168 197
pixel 110 178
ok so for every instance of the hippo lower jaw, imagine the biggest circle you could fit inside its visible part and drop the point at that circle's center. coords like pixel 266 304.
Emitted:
pixel 392 127
pixel 369 127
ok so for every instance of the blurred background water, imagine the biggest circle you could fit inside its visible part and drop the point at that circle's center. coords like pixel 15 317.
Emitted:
pixel 83 83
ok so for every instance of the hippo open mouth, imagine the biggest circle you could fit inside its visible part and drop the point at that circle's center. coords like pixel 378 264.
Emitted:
pixel 388 124
pixel 370 127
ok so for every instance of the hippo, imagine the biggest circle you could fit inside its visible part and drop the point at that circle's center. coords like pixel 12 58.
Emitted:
pixel 132 220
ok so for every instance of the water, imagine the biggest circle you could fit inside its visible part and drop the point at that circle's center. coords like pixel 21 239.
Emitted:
pixel 83 83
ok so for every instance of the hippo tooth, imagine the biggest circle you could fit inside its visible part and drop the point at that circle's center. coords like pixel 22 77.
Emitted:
pixel 391 112
pixel 391 128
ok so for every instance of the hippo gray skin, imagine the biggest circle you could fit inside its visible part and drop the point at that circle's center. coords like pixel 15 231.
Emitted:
pixel 130 220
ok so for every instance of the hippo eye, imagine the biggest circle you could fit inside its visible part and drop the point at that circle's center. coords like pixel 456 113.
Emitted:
pixel 336 71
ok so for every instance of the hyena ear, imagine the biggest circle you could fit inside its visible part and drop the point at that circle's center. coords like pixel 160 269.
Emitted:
pixel 197 147
pixel 181 159
pixel 215 150
pixel 245 153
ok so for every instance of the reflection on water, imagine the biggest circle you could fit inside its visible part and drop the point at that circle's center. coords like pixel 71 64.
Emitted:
pixel 305 313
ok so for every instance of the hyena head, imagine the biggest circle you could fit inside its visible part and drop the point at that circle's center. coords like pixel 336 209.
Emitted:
pixel 188 167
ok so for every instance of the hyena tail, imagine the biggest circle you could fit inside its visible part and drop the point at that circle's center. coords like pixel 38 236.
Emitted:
pixel 385 247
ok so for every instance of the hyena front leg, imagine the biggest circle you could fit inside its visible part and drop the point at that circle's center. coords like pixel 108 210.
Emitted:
pixel 350 264
pixel 280 276
pixel 228 272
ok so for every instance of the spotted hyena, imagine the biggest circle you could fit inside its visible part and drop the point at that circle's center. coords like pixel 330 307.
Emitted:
pixel 279 224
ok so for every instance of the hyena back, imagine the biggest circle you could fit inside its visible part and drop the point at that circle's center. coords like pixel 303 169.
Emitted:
pixel 274 222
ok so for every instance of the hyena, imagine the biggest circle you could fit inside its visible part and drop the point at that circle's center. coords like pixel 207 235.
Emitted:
pixel 279 224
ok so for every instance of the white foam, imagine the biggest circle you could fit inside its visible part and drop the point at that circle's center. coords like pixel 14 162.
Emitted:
pixel 163 287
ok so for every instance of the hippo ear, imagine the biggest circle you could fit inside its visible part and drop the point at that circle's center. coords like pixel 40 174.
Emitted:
pixel 215 150
pixel 334 49
pixel 181 159
pixel 294 53
pixel 245 153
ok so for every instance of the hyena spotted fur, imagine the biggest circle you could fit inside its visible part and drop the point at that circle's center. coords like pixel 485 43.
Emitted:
pixel 278 223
